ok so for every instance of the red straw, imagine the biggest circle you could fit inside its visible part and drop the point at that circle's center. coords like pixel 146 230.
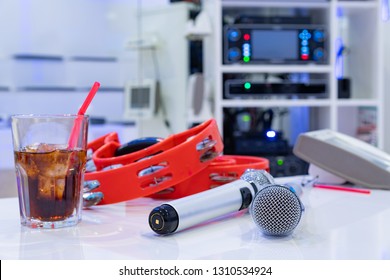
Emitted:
pixel 76 127
pixel 89 98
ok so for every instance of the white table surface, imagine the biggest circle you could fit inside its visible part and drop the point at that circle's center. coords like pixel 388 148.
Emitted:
pixel 336 225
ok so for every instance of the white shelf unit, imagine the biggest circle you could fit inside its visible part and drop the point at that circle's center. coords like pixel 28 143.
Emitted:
pixel 358 23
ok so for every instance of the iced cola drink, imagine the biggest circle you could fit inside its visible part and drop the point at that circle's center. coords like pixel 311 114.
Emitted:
pixel 50 157
pixel 50 178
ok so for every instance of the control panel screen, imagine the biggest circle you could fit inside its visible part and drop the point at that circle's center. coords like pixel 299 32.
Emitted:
pixel 275 44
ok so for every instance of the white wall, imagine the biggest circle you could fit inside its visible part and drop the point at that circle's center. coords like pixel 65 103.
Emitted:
pixel 66 28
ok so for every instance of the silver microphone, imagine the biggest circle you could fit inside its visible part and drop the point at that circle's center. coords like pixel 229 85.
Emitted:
pixel 191 210
pixel 277 209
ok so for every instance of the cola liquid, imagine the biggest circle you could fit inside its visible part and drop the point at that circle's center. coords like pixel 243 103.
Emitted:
pixel 49 181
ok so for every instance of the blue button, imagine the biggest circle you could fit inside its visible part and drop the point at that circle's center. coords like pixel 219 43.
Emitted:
pixel 318 54
pixel 319 36
pixel 233 35
pixel 234 54
pixel 304 35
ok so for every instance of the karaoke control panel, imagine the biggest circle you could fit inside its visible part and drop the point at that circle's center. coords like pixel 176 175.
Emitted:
pixel 254 43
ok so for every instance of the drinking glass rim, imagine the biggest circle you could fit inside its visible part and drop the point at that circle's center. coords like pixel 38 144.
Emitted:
pixel 45 116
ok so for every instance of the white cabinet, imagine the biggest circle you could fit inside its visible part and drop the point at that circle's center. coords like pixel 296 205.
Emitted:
pixel 355 25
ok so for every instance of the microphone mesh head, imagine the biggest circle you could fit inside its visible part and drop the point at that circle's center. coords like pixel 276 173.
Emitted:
pixel 258 176
pixel 276 210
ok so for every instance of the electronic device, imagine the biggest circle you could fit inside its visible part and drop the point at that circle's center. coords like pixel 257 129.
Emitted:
pixel 281 160
pixel 140 99
pixel 245 89
pixel 354 160
pixel 277 209
pixel 189 211
pixel 287 165
pixel 275 43
pixel 251 134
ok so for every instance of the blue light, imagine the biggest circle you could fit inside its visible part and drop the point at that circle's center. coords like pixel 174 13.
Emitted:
pixel 319 36
pixel 304 35
pixel 234 54
pixel 233 35
pixel 339 65
pixel 271 134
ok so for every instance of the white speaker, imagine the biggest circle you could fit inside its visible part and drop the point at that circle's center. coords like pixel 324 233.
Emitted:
pixel 140 99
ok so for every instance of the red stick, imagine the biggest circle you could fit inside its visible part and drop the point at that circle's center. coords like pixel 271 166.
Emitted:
pixel 341 188
pixel 76 127
pixel 89 98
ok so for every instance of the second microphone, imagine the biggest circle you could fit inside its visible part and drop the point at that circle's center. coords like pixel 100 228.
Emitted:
pixel 189 211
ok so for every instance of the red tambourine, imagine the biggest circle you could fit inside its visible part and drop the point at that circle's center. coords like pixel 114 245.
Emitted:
pixel 222 170
pixel 155 168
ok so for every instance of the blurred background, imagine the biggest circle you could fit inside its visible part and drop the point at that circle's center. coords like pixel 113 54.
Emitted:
pixel 165 66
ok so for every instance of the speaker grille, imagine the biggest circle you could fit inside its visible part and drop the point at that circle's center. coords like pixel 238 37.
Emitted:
pixel 276 210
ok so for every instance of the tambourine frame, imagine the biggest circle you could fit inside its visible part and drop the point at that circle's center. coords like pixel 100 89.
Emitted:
pixel 181 155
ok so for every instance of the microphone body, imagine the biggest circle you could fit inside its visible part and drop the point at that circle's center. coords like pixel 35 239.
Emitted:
pixel 188 211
